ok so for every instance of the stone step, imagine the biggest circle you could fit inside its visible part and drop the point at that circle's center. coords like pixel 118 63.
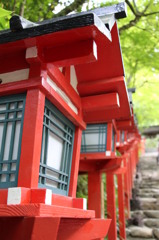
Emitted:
pixel 156 233
pixel 148 190
pixel 148 203
pixel 134 238
pixel 141 232
pixel 151 222
pixel 145 195
pixel 151 213
pixel 143 186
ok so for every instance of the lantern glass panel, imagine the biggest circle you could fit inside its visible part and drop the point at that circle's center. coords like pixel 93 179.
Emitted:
pixel 113 140
pixel 56 153
pixel 122 136
pixel 11 123
pixel 94 138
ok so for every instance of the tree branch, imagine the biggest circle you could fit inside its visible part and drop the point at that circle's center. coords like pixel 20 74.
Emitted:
pixel 149 14
pixel 70 8
pixel 132 23
pixel 131 7
pixel 138 16
pixel 22 6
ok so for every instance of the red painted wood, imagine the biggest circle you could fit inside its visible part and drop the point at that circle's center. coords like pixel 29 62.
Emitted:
pixel 118 171
pixel 107 164
pixel 118 136
pixel 20 86
pixel 107 86
pixel 3 196
pixel 31 139
pixel 96 156
pixel 111 206
pixel 38 195
pixel 43 210
pixel 53 96
pixel 100 102
pixel 57 76
pixel 29 228
pixel 12 59
pixel 75 162
pixel 86 167
pixel 67 73
pixel 94 193
pixel 25 195
pixel 23 86
pixel 109 137
pixel 126 189
pixel 122 227
pixel 78 203
pixel 124 125
pixel 35 70
pixel 45 228
pixel 109 62
pixel 79 52
pixel 71 229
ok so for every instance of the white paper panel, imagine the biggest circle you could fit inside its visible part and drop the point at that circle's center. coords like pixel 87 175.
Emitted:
pixel 1 134
pixel 55 149
pixel 2 107
pixel 18 75
pixel 92 139
pixel 3 178
pixel 51 183
pixel 16 140
pixel 74 78
pixel 8 141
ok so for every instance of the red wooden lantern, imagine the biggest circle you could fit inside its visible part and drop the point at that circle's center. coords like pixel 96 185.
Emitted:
pixel 44 70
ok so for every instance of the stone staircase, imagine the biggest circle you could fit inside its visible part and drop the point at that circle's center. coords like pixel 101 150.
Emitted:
pixel 144 222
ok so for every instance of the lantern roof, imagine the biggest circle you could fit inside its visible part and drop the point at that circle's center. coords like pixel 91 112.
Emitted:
pixel 69 30
pixel 89 41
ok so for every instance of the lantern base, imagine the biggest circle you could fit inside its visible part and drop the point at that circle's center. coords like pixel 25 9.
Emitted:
pixel 61 218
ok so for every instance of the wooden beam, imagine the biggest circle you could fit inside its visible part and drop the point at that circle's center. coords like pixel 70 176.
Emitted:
pixel 94 192
pixel 122 226
pixel 111 206
pixel 43 210
pixel 31 139
pixel 57 76
pixel 100 102
pixel 71 54
pixel 75 162
pixel 78 229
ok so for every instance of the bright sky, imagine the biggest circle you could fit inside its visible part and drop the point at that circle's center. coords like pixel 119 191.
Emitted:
pixel 96 2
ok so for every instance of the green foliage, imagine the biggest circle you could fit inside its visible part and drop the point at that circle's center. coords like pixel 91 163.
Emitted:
pixel 4 18
pixel 140 47
pixel 152 142
pixel 82 189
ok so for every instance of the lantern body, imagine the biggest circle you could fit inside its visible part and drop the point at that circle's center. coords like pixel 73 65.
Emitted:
pixel 57 148
pixel 11 125
pixel 99 138
pixel 94 138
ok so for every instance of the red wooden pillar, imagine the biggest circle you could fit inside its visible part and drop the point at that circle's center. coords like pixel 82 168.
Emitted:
pixel 31 139
pixel 122 233
pixel 111 206
pixel 75 162
pixel 109 140
pixel 94 193
pixel 126 189
pixel 129 176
